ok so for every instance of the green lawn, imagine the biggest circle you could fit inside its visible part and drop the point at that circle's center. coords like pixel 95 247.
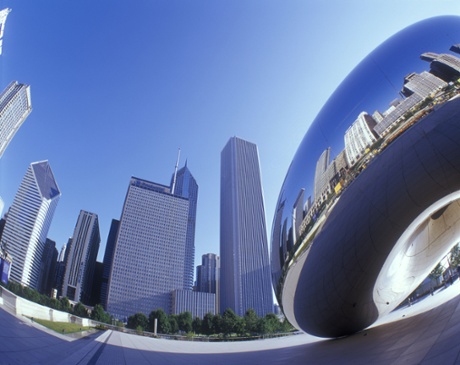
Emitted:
pixel 62 327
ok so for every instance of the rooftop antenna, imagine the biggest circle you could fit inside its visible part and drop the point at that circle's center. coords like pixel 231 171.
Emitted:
pixel 175 173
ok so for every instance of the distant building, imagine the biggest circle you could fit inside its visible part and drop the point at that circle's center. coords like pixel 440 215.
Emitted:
pixel 321 181
pixel 444 66
pixel 15 106
pixel 48 267
pixel 97 283
pixel 197 303
pixel 359 136
pixel 35 203
pixel 60 268
pixel 184 184
pixel 396 113
pixel 83 248
pixel 298 214
pixel 151 251
pixel 108 259
pixel 207 275
pixel 245 272
pixel 424 84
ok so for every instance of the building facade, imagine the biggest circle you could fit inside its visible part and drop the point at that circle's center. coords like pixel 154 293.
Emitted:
pixel 184 184
pixel 207 276
pixel 28 221
pixel 151 254
pixel 81 261
pixel 197 303
pixel 359 136
pixel 245 274
pixel 15 107
pixel 108 259
pixel 48 267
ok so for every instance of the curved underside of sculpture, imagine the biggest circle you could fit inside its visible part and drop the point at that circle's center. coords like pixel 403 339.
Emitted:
pixel 354 235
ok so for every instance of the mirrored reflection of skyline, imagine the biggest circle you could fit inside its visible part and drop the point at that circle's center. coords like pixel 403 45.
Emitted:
pixel 399 83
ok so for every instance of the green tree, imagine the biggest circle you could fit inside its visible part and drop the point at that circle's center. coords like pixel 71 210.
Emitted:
pixel 99 314
pixel 437 272
pixel 231 323
pixel 286 326
pixel 262 326
pixel 65 304
pixel 185 321
pixel 273 323
pixel 250 320
pixel 196 325
pixel 80 310
pixel 173 323
pixel 163 325
pixel 55 304
pixel 455 256
pixel 207 324
pixel 138 320
pixel 217 324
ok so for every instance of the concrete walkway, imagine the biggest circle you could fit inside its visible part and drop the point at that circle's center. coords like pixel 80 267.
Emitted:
pixel 428 332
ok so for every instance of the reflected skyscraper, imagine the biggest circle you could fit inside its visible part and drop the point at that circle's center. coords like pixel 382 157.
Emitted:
pixel 245 272
pixel 152 248
pixel 29 219
pixel 81 261
pixel 15 106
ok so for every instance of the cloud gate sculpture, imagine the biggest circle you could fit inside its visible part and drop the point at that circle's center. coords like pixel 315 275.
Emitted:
pixel 371 200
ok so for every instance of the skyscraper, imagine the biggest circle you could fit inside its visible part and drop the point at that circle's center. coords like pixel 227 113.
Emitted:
pixel 207 276
pixel 207 273
pixel 15 106
pixel 108 259
pixel 48 267
pixel 28 222
pixel 151 252
pixel 84 245
pixel 183 184
pixel 245 273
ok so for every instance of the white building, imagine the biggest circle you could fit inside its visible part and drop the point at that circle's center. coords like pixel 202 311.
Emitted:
pixel 245 267
pixel 28 222
pixel 359 137
pixel 15 106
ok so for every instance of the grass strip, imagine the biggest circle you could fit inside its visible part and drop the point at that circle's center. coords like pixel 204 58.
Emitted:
pixel 61 327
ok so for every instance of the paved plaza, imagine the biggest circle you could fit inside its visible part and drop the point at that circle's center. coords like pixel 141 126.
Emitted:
pixel 419 334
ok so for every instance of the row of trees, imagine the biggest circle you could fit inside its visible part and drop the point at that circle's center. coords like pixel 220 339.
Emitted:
pixel 63 304
pixel 212 324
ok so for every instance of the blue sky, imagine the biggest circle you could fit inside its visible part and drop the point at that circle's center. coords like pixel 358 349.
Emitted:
pixel 117 87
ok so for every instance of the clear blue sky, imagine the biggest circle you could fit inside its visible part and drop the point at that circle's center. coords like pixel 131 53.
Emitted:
pixel 117 87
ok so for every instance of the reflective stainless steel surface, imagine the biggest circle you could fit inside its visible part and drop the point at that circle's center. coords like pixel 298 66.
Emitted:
pixel 369 203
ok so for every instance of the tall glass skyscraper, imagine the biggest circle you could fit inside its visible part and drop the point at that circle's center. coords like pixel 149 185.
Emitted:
pixel 15 106
pixel 245 272
pixel 152 254
pixel 29 219
pixel 183 184
pixel 81 262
